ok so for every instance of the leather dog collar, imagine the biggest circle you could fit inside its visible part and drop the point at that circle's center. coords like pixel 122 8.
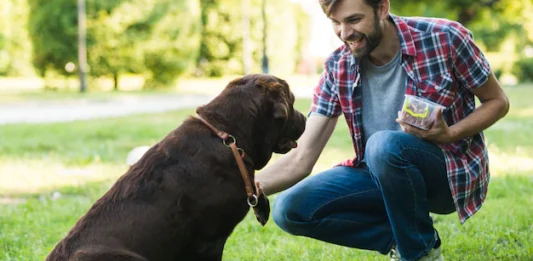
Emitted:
pixel 239 154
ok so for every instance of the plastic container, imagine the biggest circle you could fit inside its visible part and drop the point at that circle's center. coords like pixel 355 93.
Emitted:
pixel 419 112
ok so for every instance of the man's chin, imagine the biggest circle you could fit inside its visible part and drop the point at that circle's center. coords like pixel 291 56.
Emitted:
pixel 359 54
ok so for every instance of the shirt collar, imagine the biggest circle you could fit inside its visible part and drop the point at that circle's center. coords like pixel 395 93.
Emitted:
pixel 405 33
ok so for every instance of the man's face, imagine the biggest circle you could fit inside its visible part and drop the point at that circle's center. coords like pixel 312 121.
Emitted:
pixel 357 25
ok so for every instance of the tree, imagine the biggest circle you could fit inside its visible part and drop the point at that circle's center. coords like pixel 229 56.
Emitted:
pixel 4 59
pixel 463 11
pixel 221 38
pixel 54 43
pixel 172 47
pixel 155 38
pixel 491 21
pixel 112 48
pixel 15 47
pixel 221 50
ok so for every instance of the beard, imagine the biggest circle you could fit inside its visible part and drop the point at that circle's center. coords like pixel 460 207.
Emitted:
pixel 368 42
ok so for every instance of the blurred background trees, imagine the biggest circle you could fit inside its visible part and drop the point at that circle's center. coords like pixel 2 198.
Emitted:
pixel 15 47
pixel 158 39
pixel 163 40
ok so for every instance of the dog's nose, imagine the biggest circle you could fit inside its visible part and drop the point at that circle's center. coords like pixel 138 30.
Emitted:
pixel 298 125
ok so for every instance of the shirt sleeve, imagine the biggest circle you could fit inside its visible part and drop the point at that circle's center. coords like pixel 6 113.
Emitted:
pixel 470 66
pixel 325 97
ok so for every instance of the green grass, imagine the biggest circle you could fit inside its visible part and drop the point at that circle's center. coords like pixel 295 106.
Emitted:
pixel 82 159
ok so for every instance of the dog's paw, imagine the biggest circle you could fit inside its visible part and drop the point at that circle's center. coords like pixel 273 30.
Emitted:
pixel 262 209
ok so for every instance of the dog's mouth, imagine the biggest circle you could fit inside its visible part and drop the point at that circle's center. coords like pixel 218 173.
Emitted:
pixel 285 145
pixel 291 134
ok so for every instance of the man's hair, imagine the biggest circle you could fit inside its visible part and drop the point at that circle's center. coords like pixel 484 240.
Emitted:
pixel 328 5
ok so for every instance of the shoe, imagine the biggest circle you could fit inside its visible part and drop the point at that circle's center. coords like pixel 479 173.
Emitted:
pixel 433 255
pixel 394 254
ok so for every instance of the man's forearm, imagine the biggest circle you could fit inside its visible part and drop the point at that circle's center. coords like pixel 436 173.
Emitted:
pixel 282 174
pixel 299 162
pixel 483 117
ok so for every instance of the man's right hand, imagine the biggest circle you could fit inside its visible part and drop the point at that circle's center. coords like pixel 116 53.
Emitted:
pixel 297 164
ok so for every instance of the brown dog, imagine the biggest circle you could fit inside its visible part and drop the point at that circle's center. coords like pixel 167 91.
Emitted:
pixel 184 197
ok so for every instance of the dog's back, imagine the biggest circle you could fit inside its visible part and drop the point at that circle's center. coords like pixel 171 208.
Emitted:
pixel 165 203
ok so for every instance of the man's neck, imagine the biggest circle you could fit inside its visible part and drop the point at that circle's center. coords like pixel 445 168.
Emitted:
pixel 388 47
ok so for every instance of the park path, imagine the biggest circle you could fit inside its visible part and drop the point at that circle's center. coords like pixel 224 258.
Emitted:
pixel 84 109
pixel 49 111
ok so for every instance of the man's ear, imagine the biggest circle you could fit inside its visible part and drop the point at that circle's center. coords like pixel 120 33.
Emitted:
pixel 383 9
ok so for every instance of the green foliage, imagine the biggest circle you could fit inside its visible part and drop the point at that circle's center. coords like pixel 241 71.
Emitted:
pixel 221 39
pixel 221 50
pixel 121 37
pixel 163 39
pixel 110 51
pixel 54 43
pixel 173 45
pixel 491 21
pixel 464 11
pixel 124 38
pixel 523 69
pixel 15 47
pixel 288 28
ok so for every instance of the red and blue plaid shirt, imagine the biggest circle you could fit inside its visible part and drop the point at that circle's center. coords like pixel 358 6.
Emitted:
pixel 443 64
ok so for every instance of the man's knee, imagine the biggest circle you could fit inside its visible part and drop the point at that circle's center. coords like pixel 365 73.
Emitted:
pixel 384 147
pixel 285 213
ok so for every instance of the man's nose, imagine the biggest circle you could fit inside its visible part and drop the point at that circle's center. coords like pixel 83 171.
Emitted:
pixel 346 32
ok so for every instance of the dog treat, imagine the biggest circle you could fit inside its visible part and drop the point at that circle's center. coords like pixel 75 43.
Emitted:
pixel 419 112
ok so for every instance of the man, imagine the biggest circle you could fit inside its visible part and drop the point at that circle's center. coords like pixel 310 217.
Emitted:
pixel 382 198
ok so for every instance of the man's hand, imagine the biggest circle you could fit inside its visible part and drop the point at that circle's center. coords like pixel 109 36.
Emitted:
pixel 438 133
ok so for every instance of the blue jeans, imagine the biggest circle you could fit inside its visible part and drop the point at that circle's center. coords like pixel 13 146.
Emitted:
pixel 384 201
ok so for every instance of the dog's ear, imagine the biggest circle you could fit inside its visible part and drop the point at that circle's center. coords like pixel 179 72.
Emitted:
pixel 281 110
pixel 277 97
pixel 236 82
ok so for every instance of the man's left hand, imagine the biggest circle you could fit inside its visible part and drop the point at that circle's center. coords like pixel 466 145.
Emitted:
pixel 438 133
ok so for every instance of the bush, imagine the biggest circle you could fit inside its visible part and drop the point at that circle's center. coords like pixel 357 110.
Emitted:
pixel 523 70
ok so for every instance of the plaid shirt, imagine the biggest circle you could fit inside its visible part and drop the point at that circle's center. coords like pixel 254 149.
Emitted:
pixel 443 64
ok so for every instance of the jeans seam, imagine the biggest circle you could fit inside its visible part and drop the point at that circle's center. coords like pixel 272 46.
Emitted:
pixel 310 217
pixel 427 247
pixel 419 150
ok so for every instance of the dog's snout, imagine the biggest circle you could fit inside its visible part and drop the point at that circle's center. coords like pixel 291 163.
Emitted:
pixel 298 125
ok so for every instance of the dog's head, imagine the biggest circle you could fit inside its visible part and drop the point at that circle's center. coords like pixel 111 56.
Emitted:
pixel 272 103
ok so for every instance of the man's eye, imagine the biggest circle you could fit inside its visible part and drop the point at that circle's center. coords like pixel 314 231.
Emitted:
pixel 354 20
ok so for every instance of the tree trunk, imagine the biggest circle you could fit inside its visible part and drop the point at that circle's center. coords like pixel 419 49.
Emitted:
pixel 246 52
pixel 115 81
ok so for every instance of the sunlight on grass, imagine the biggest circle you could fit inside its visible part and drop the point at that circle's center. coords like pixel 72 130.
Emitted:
pixel 36 176
pixel 505 163
pixel 524 112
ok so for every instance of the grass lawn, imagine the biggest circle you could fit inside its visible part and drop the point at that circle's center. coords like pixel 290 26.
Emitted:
pixel 80 160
